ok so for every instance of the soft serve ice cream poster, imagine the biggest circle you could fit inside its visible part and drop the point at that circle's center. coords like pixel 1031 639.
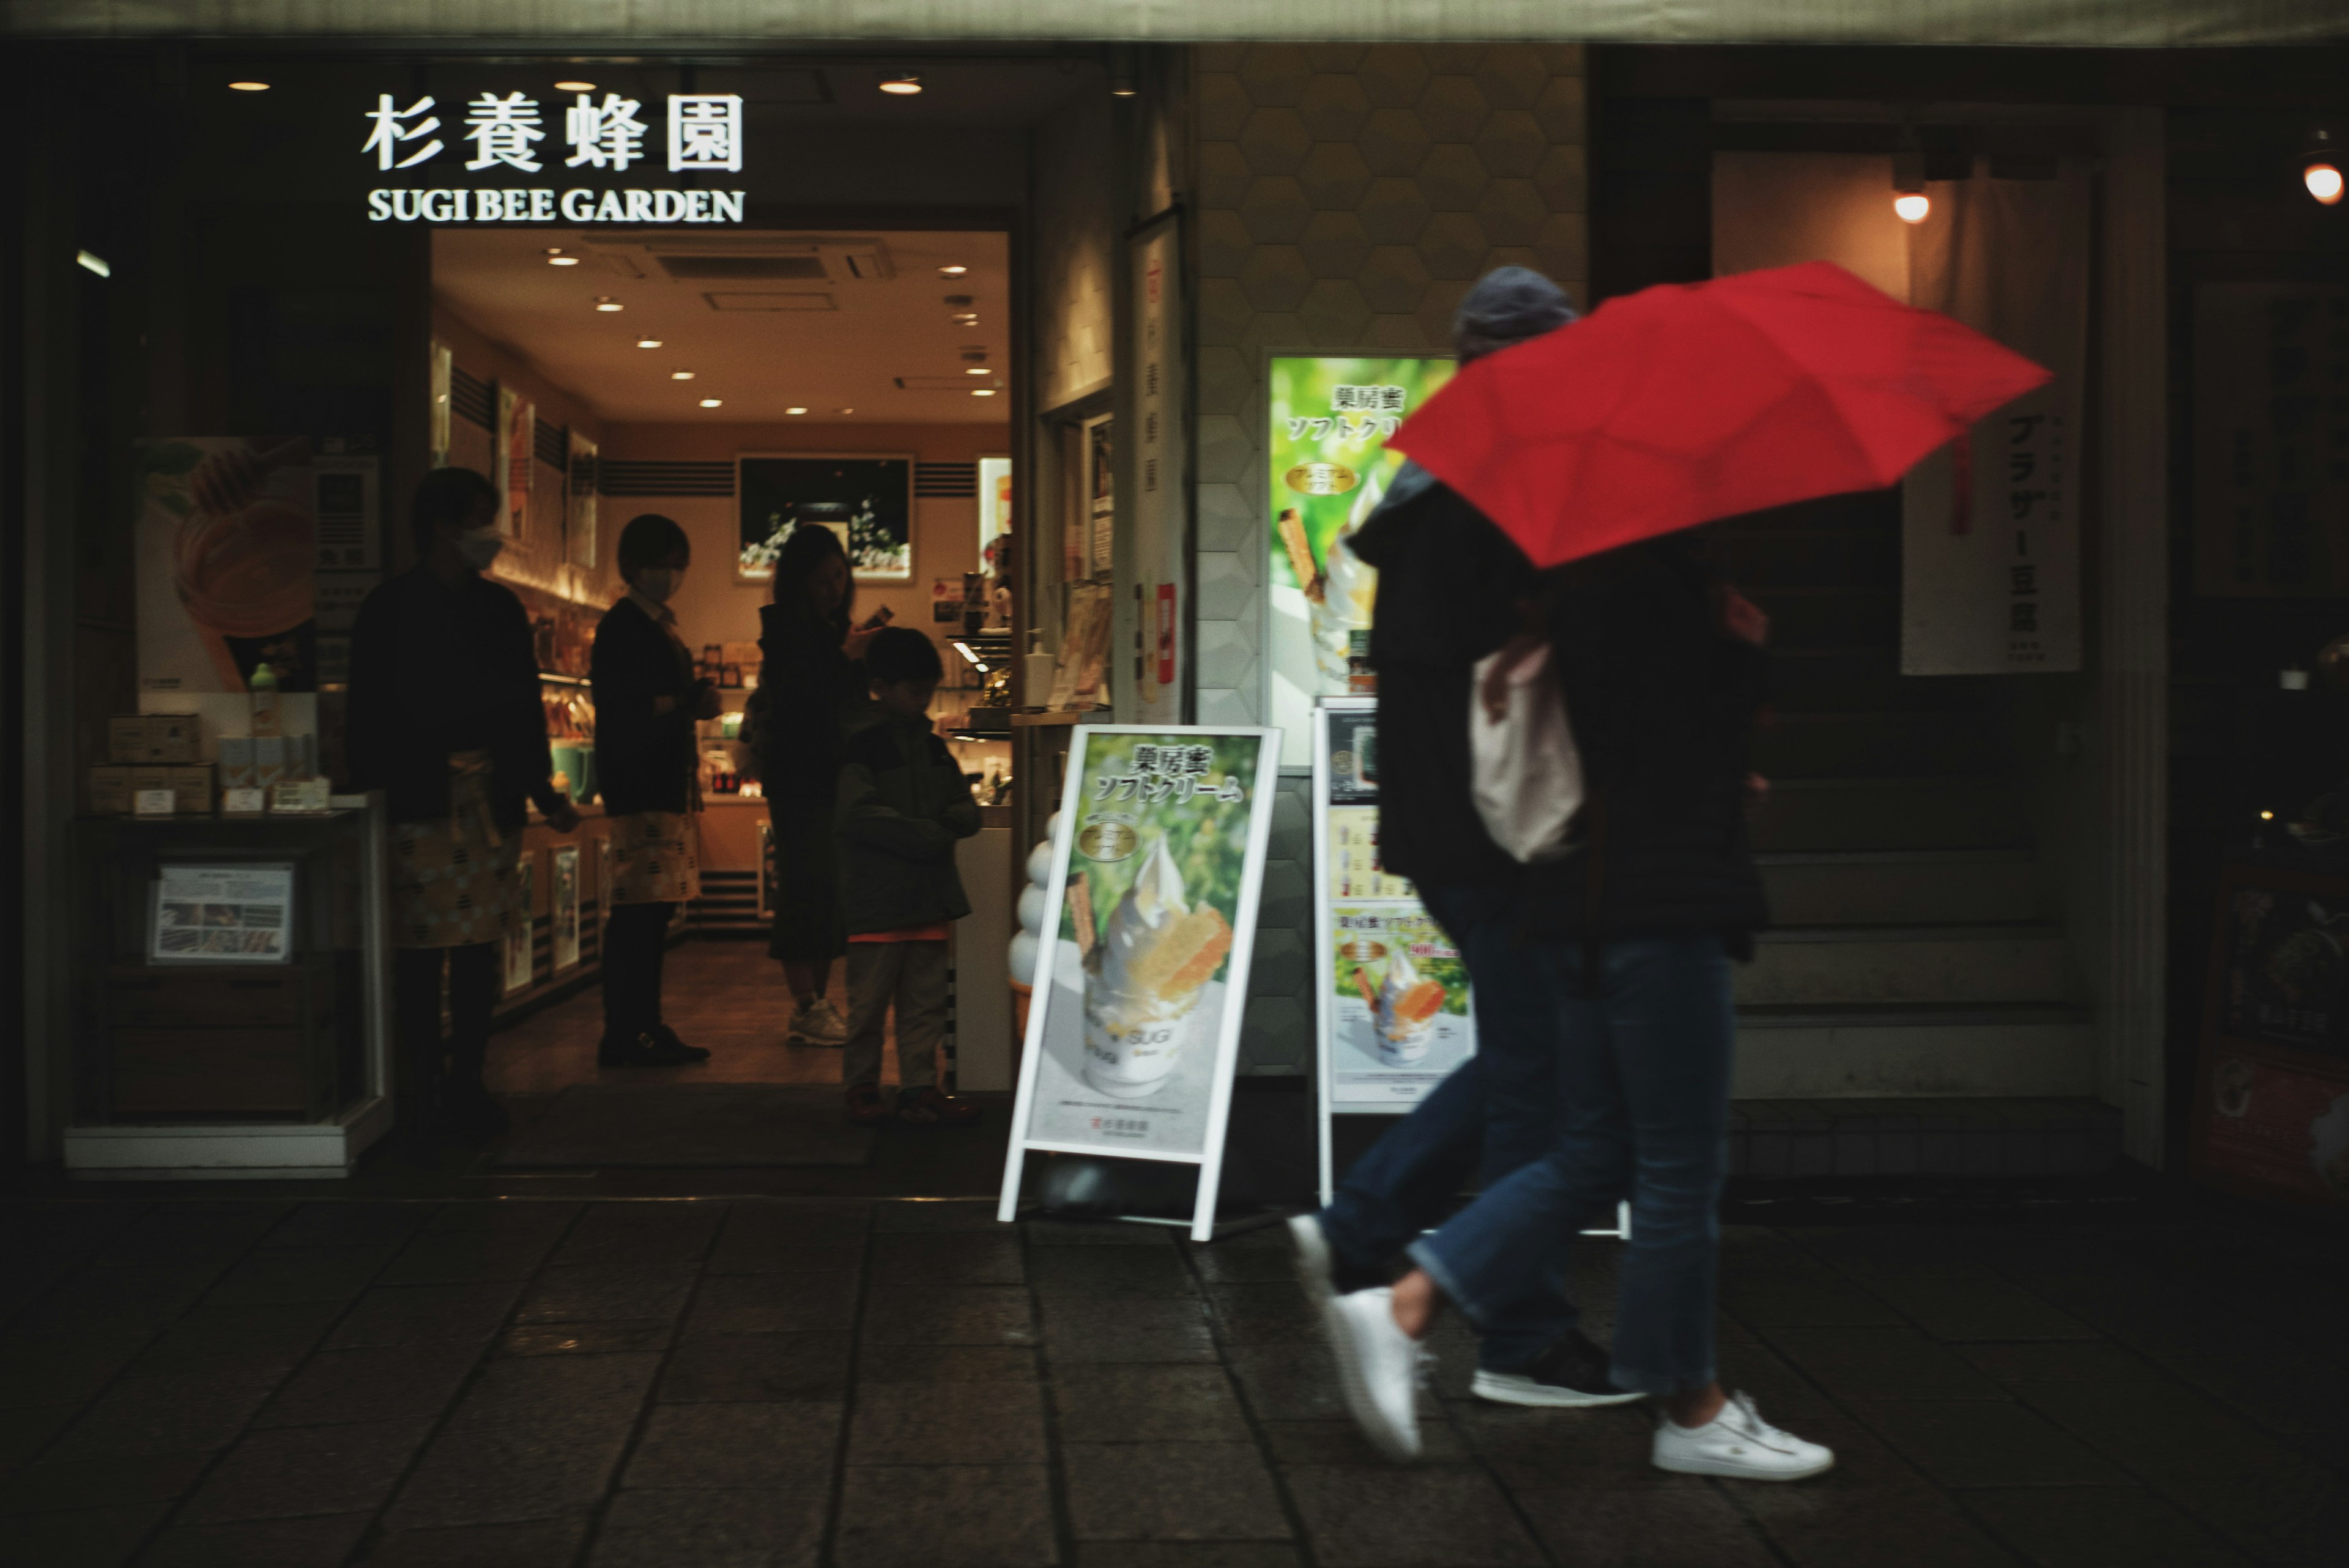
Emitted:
pixel 1400 1018
pixel 1330 419
pixel 1163 854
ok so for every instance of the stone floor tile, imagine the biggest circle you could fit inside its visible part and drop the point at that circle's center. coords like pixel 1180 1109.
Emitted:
pixel 97 1301
pixel 1187 1555
pixel 350 1224
pixel 469 1242
pixel 953 1314
pixel 791 1238
pixel 1694 1526
pixel 955 1258
pixel 66 1485
pixel 2095 1527
pixel 396 1382
pixel 1528 1448
pixel 1860 1362
pixel 1778 1286
pixel 316 1274
pixel 730 1368
pixel 1287 1382
pixel 585 1294
pixel 420 1313
pixel 1777 1386
pixel 956 1516
pixel 1146 1404
pixel 321 1542
pixel 533 1544
pixel 1127 1329
pixel 26 1429
pixel 259 1339
pixel 533 1439
pixel 772 1303
pixel 1229 1263
pixel 773 1527
pixel 1386 1517
pixel 2304 1409
pixel 1046 1232
pixel 289 1471
pixel 183 1231
pixel 558 1390
pixel 54 1368
pixel 2013 1366
pixel 1171 1491
pixel 640 1235
pixel 1965 1301
pixel 73 1226
pixel 879 1364
pixel 1340 1442
pixel 1820 1526
pixel 703 1447
pixel 946 1424
pixel 31 1275
pixel 188 1413
pixel 950 1214
pixel 1274 1314
pixel 96 1538
pixel 606 1337
pixel 756 1256
pixel 1970 1443
pixel 1111 1271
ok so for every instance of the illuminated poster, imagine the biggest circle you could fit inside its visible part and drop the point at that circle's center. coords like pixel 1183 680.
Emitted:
pixel 565 910
pixel 517 451
pixel 994 511
pixel 867 501
pixel 1329 420
pixel 521 963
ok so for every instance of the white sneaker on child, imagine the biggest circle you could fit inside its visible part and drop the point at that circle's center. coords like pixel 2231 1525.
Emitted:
pixel 1739 1443
pixel 1378 1367
pixel 818 1024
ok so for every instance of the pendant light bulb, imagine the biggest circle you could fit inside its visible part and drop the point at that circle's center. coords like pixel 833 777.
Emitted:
pixel 2323 182
pixel 1912 206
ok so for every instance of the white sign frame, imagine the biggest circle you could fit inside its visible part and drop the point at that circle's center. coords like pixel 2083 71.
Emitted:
pixel 1209 1160
pixel 274 882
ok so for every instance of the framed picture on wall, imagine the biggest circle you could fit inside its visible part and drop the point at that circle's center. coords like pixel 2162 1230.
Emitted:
pixel 579 544
pixel 517 450
pixel 865 498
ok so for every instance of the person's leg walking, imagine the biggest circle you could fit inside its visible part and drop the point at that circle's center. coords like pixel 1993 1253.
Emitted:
pixel 416 1016
pixel 922 1005
pixel 625 1014
pixel 872 969
pixel 471 1109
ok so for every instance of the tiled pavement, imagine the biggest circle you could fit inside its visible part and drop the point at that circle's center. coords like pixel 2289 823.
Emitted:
pixel 717 1384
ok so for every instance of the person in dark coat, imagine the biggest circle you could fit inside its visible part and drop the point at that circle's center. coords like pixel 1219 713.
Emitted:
pixel 811 685
pixel 646 701
pixel 445 719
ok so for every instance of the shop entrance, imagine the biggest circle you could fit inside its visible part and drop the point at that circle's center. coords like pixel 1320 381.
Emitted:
pixel 743 385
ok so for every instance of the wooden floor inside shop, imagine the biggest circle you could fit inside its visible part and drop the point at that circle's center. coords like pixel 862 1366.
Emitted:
pixel 725 996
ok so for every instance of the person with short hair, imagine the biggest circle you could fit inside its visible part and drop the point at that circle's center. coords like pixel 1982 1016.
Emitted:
pixel 445 719
pixel 646 700
pixel 904 805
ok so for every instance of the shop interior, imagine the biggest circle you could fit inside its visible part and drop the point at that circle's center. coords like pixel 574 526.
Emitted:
pixel 742 384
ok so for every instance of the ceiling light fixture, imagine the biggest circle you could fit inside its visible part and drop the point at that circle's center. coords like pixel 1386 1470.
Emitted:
pixel 795 410
pixel 648 343
pixel 1123 79
pixel 606 303
pixel 1910 202
pixel 2321 168
pixel 681 375
pixel 978 370
pixel 712 402
pixel 902 86
pixel 954 272
pixel 575 87
pixel 982 391
pixel 248 86
pixel 843 410
pixel 90 262
pixel 557 259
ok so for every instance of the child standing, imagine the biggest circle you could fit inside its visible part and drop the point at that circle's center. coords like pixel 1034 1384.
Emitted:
pixel 903 805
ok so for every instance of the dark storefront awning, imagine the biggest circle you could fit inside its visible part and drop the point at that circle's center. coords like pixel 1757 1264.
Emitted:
pixel 669 25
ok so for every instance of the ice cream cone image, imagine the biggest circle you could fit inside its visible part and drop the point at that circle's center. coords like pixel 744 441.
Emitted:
pixel 1348 591
pixel 1405 1013
pixel 1144 978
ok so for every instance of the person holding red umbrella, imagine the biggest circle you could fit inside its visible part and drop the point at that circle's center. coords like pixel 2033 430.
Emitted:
pixel 1596 447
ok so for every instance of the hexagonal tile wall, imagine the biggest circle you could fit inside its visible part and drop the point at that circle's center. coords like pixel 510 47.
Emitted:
pixel 1347 195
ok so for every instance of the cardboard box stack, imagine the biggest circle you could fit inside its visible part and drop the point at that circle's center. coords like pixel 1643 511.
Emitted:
pixel 151 751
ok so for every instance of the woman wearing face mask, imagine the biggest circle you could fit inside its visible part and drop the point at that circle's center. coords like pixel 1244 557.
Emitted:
pixel 445 719
pixel 809 684
pixel 646 700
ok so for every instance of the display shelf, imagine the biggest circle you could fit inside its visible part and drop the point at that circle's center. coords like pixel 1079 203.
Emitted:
pixel 1058 718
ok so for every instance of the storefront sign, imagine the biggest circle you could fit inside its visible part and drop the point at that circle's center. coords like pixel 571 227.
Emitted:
pixel 1157 510
pixel 1990 527
pixel 500 135
pixel 1329 424
pixel 212 913
pixel 1156 870
pixel 2272 1105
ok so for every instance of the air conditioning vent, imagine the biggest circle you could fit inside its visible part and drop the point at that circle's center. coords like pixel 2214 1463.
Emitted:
pixel 747 269
pixel 745 300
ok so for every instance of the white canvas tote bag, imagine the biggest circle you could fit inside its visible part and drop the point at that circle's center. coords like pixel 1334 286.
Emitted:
pixel 1523 768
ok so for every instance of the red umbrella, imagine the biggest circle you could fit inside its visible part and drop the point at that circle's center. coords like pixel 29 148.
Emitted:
pixel 1686 402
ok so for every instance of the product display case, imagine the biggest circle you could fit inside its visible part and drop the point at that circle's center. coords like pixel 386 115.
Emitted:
pixel 230 994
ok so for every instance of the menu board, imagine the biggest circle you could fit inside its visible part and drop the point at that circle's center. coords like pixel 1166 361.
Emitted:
pixel 2272 1101
pixel 1157 868
pixel 208 913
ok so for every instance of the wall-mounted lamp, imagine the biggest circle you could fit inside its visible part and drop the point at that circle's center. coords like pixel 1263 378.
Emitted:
pixel 2320 168
pixel 1124 81
pixel 1908 197
pixel 902 84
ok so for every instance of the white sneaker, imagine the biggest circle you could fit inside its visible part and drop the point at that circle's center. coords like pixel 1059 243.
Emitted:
pixel 1317 1264
pixel 818 1024
pixel 1738 1442
pixel 1378 1365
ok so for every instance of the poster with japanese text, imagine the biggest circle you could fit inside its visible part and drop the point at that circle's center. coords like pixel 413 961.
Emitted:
pixel 565 910
pixel 1329 420
pixel 1152 648
pixel 211 913
pixel 520 958
pixel 2272 1092
pixel 1157 866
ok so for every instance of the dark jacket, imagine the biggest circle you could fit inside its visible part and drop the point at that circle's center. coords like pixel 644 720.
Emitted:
pixel 1448 583
pixel 645 760
pixel 808 691
pixel 436 671
pixel 1663 703
pixel 902 804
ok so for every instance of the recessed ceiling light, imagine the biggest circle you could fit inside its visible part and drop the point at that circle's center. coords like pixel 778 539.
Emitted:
pixel 982 391
pixel 955 271
pixel 978 370
pixel 648 343
pixel 248 86
pixel 562 261
pixel 90 262
pixel 795 410
pixel 575 87
pixel 711 402
pixel 606 301
pixel 843 410
pixel 681 375
pixel 905 86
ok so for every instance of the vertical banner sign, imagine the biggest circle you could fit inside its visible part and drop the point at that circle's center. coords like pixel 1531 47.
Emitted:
pixel 565 910
pixel 1393 1012
pixel 1329 468
pixel 1133 1031
pixel 2272 440
pixel 2271 1096
pixel 1162 485
pixel 1991 530
pixel 520 958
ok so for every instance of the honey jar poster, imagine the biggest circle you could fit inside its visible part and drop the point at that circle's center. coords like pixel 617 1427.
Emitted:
pixel 1329 420
pixel 1158 861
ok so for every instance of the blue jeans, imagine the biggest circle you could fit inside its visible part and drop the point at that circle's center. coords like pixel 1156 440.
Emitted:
pixel 1493 1113
pixel 1647 1034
